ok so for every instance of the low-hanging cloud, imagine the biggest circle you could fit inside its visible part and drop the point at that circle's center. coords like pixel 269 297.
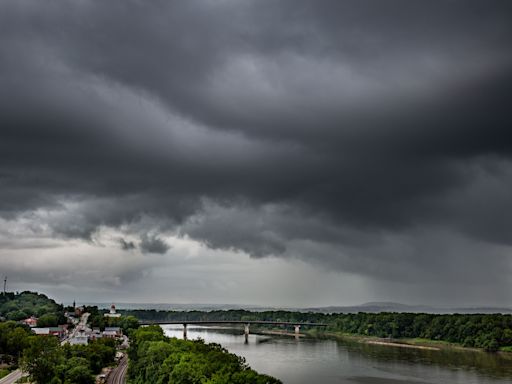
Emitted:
pixel 126 245
pixel 153 244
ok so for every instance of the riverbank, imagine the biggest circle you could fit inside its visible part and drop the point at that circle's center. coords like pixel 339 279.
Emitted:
pixel 413 343
pixel 327 360
pixel 403 343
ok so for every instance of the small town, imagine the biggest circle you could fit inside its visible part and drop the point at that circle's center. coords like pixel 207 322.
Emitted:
pixel 73 329
pixel 80 334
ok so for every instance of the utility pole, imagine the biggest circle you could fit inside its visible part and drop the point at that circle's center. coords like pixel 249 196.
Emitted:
pixel 5 284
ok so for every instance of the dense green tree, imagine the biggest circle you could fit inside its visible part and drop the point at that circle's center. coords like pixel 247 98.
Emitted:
pixel 41 358
pixel 99 353
pixel 48 320
pixel 14 339
pixel 155 358
pixel 47 362
pixel 79 374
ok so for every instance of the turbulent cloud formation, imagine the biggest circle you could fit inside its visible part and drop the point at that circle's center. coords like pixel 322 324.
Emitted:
pixel 126 245
pixel 366 137
pixel 153 244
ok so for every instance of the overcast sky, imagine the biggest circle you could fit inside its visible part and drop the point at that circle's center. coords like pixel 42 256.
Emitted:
pixel 287 153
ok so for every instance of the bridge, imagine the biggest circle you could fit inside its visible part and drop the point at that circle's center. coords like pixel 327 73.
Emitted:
pixel 247 324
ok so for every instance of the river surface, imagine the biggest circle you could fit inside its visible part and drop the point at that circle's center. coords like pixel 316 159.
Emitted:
pixel 325 361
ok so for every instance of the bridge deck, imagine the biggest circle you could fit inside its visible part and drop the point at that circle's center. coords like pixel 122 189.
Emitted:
pixel 203 322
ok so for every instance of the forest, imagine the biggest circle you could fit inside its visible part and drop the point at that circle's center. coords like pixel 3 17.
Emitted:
pixel 49 362
pixel 155 358
pixel 490 332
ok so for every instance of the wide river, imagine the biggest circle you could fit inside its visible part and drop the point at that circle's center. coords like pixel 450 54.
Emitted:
pixel 330 361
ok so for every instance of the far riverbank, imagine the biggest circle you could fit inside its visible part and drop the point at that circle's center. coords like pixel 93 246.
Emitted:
pixel 422 344
pixel 412 343
pixel 488 332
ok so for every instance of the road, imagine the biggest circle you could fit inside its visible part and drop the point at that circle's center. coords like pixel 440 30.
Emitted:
pixel 81 326
pixel 118 374
pixel 12 377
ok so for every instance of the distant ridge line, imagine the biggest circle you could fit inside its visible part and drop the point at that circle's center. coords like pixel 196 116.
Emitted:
pixel 371 307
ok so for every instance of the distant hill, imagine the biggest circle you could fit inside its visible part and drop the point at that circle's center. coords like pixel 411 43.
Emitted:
pixel 376 307
pixel 371 307
pixel 180 307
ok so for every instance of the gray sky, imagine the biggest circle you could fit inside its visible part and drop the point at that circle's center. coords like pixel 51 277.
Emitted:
pixel 262 152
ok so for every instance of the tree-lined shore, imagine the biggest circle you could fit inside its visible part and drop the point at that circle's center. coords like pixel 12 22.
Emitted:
pixel 491 332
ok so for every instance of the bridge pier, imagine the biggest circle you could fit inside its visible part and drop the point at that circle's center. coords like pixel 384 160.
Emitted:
pixel 184 331
pixel 246 333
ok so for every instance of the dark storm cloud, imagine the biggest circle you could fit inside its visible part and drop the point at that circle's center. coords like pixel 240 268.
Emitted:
pixel 126 245
pixel 344 133
pixel 153 244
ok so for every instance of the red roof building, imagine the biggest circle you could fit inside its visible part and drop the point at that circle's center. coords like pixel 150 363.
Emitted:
pixel 31 321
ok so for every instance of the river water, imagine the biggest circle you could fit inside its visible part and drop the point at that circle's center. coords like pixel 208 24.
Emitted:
pixel 325 361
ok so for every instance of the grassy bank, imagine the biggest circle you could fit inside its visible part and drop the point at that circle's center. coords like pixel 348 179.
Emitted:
pixel 4 372
pixel 417 343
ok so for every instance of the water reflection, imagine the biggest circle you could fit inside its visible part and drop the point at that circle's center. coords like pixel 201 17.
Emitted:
pixel 330 361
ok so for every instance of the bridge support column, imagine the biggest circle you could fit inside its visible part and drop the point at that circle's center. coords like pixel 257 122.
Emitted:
pixel 297 331
pixel 246 332
pixel 184 331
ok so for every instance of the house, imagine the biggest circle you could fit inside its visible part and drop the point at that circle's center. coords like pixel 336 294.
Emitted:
pixel 59 331
pixel 112 332
pixel 41 331
pixel 31 321
pixel 95 334
pixel 79 340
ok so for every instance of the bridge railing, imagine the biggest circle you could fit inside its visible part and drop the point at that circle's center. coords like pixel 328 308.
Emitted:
pixel 246 323
pixel 199 322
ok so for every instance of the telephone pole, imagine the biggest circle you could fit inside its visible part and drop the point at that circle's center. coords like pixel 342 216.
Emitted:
pixel 5 284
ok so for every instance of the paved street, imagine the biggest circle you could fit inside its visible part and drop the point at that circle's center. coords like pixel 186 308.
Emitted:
pixel 81 326
pixel 12 377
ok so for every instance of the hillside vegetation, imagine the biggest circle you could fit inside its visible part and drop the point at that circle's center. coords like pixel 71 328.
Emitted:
pixel 19 306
